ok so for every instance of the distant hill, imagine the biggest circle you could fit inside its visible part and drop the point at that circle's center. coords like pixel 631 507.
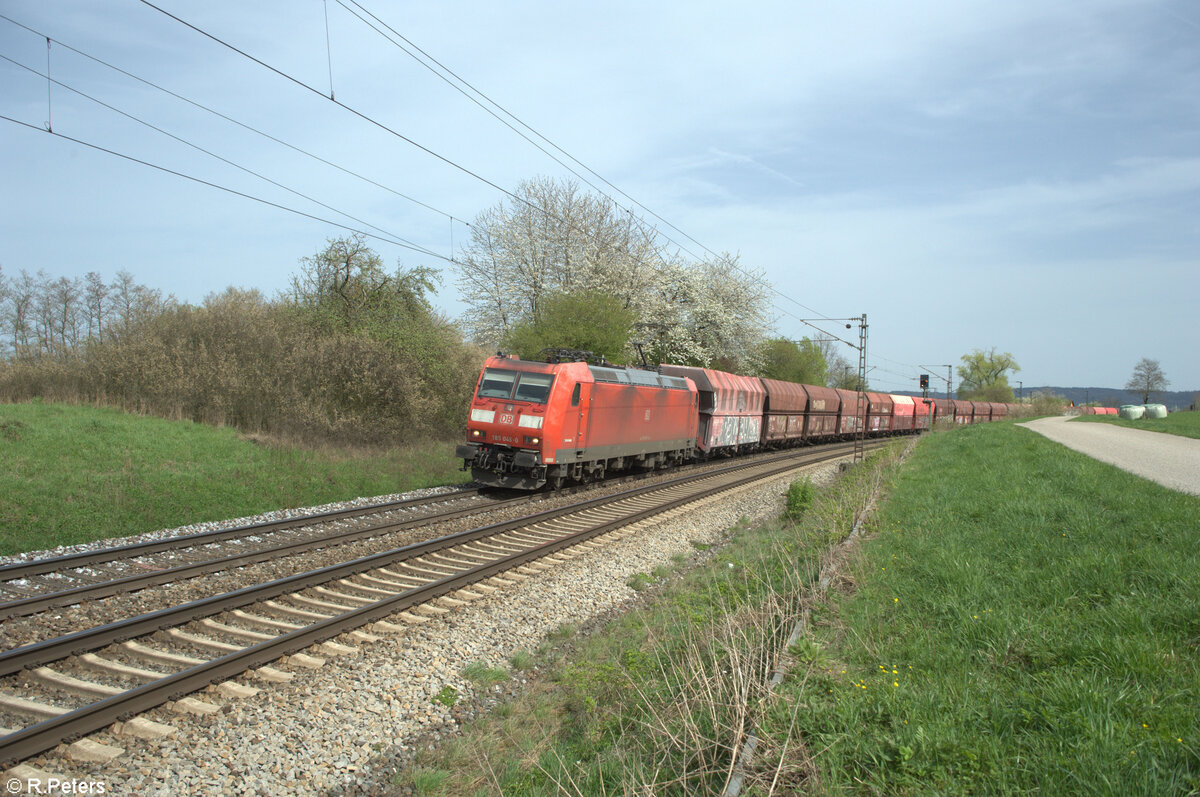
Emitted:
pixel 1115 397
pixel 1106 396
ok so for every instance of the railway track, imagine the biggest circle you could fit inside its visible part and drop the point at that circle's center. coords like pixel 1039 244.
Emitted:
pixel 63 688
pixel 30 587
pixel 27 588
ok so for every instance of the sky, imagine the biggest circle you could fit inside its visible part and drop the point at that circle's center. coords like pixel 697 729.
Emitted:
pixel 1017 175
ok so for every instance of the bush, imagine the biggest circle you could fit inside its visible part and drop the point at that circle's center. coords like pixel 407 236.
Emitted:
pixel 390 374
pixel 800 496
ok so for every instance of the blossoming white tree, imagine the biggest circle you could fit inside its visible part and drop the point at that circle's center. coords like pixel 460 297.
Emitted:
pixel 556 238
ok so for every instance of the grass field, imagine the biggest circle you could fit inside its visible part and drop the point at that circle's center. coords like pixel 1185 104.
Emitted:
pixel 1020 619
pixel 1027 620
pixel 1185 424
pixel 72 474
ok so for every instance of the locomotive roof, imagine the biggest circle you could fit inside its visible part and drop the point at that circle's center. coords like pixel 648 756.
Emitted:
pixel 634 376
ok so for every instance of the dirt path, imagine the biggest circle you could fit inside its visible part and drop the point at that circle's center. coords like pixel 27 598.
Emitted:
pixel 1168 459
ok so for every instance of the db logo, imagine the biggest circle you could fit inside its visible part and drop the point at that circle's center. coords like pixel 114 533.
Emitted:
pixel 506 418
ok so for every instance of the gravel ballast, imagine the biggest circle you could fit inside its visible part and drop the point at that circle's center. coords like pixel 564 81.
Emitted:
pixel 322 730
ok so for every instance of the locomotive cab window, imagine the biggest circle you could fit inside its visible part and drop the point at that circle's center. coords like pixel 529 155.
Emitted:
pixel 497 383
pixel 575 395
pixel 534 387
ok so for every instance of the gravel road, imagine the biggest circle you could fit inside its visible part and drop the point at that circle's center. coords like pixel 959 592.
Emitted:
pixel 1168 459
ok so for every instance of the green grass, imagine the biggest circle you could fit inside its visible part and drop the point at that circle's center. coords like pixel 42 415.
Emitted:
pixel 480 674
pixel 1184 424
pixel 1027 621
pixel 73 474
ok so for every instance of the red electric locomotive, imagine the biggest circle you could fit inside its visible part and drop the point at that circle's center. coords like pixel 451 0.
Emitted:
pixel 536 423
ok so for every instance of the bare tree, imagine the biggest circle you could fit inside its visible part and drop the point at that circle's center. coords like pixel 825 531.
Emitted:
pixel 45 316
pixel 839 372
pixel 1148 378
pixel 64 295
pixel 95 303
pixel 133 304
pixel 5 293
pixel 18 316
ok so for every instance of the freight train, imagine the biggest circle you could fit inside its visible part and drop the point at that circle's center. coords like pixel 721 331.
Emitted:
pixel 533 423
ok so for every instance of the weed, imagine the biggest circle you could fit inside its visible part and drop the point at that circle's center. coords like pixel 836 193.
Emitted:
pixel 11 429
pixel 639 581
pixel 522 660
pixel 800 496
pixel 810 652
pixel 428 781
pixel 448 696
pixel 480 674
pixel 563 632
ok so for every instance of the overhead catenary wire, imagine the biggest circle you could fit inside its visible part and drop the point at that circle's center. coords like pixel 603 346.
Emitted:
pixel 431 152
pixel 460 80
pixel 385 233
pixel 401 136
pixel 367 118
pixel 477 176
pixel 219 187
pixel 350 109
pixel 240 124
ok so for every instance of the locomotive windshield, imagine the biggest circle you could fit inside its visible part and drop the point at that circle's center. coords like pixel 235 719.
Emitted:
pixel 497 383
pixel 517 385
pixel 534 387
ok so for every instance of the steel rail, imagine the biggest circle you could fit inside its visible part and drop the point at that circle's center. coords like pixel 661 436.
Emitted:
pixel 39 653
pixel 51 564
pixel 102 589
pixel 32 604
pixel 49 733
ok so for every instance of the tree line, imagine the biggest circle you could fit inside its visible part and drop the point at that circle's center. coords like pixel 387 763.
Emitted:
pixel 354 351
pixel 351 352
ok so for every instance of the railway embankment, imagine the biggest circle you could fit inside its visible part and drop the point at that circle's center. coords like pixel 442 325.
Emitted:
pixel 1017 617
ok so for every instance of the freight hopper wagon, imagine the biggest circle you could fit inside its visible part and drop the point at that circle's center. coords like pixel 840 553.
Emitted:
pixel 731 409
pixel 537 423
pixel 784 412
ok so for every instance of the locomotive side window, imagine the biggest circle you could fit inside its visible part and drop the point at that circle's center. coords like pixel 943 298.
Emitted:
pixel 497 383
pixel 575 395
pixel 534 387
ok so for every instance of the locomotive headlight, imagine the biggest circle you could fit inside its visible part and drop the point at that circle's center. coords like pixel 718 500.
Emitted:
pixel 483 416
pixel 477 433
pixel 531 421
